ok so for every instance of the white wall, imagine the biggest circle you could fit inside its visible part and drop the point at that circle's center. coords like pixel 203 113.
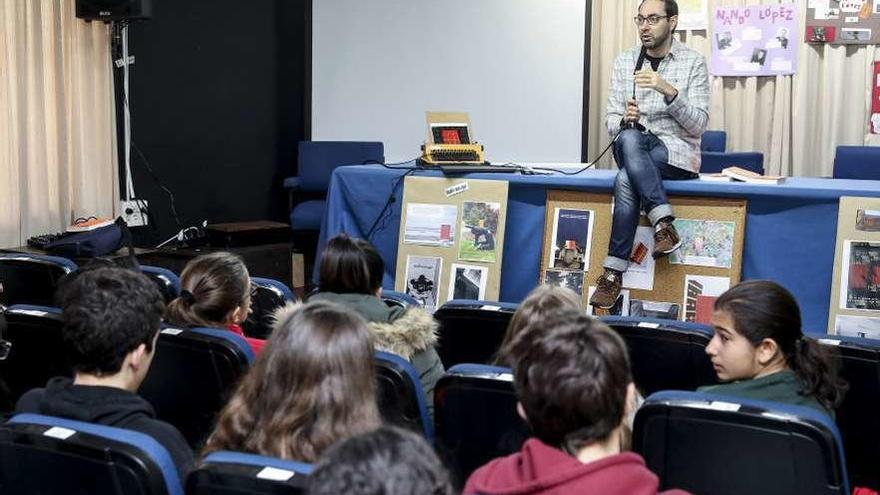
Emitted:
pixel 515 65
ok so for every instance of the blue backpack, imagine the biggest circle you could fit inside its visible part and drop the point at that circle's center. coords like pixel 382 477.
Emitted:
pixel 99 242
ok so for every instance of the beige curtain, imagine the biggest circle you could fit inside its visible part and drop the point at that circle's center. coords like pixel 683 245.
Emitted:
pixel 796 121
pixel 57 122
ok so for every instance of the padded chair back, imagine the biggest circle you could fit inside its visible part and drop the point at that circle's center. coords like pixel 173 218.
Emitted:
pixel 714 162
pixel 857 162
pixel 44 454
pixel 475 417
pixel 268 296
pixel 718 445
pixel 37 352
pixel 857 416
pixel 318 159
pixel 192 375
pixel 398 299
pixel 472 331
pixel 666 354
pixel 167 281
pixel 402 401
pixel 714 141
pixel 238 473
pixel 31 278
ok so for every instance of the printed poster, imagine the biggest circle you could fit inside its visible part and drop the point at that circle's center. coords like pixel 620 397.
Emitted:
pixel 654 309
pixel 857 326
pixel 573 280
pixel 479 225
pixel 467 282
pixel 572 230
pixel 423 280
pixel 760 40
pixel 693 15
pixel 640 274
pixel 700 293
pixel 704 243
pixel 860 276
pixel 430 224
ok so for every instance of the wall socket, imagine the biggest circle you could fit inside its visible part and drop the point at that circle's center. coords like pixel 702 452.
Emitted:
pixel 134 212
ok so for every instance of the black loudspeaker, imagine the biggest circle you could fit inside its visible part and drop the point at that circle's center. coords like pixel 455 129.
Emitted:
pixel 113 10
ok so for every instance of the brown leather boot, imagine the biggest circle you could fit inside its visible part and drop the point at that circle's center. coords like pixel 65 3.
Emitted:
pixel 607 289
pixel 666 239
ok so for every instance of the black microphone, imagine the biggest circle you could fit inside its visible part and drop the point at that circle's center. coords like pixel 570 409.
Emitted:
pixel 639 63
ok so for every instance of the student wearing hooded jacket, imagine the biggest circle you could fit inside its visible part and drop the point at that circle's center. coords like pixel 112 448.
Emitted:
pixel 574 386
pixel 351 275
pixel 111 322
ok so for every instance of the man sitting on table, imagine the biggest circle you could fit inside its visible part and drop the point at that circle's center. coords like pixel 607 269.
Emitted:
pixel 659 106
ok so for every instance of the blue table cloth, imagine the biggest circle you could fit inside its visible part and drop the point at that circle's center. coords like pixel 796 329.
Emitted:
pixel 790 234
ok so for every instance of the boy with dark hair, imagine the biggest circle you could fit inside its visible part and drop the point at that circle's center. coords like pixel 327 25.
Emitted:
pixel 111 322
pixel 574 385
pixel 387 461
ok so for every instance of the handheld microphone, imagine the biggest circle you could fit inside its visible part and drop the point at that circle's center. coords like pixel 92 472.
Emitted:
pixel 639 63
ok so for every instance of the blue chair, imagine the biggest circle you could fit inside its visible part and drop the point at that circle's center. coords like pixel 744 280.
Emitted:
pixel 472 331
pixel 857 416
pixel 31 278
pixel 267 295
pixel 714 162
pixel 398 299
pixel 316 162
pixel 193 374
pixel 402 401
pixel 475 417
pixel 718 445
pixel 167 281
pixel 238 473
pixel 714 141
pixel 36 353
pixel 44 454
pixel 857 162
pixel 665 354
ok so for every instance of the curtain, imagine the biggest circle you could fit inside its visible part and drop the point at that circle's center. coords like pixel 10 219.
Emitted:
pixel 795 121
pixel 57 119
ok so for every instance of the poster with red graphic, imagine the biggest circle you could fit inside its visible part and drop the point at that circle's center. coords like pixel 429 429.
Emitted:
pixel 875 100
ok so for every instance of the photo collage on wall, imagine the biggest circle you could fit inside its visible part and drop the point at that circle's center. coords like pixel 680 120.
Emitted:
pixel 451 246
pixel 569 256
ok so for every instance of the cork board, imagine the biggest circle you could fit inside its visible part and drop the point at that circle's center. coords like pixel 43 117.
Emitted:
pixel 855 287
pixel 451 239
pixel 710 260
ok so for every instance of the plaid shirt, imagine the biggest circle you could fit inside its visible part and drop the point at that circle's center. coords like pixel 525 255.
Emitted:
pixel 679 124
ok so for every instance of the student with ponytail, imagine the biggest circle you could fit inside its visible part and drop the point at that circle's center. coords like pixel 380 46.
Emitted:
pixel 761 352
pixel 215 293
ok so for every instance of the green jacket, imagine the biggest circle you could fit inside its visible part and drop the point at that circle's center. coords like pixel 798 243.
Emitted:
pixel 782 386
pixel 410 333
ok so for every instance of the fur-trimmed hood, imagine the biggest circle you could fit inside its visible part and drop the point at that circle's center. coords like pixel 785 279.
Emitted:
pixel 402 332
pixel 413 332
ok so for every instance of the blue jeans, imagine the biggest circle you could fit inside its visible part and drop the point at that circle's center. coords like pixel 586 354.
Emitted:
pixel 642 160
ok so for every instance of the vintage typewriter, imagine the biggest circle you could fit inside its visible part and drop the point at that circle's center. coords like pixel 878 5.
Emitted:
pixel 449 146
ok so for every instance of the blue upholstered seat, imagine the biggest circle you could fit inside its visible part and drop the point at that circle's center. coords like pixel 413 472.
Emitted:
pixel 714 162
pixel 857 162
pixel 236 473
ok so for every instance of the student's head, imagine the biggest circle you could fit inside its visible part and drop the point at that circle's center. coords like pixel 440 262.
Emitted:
pixel 387 461
pixel 215 291
pixel 313 384
pixel 572 379
pixel 665 12
pixel 111 320
pixel 350 266
pixel 757 327
pixel 542 302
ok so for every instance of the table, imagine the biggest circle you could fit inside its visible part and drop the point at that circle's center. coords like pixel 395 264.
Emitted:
pixel 790 235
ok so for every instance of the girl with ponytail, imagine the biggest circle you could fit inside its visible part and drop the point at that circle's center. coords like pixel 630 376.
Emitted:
pixel 761 352
pixel 215 293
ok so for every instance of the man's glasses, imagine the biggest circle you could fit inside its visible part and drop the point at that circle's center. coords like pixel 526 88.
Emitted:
pixel 652 19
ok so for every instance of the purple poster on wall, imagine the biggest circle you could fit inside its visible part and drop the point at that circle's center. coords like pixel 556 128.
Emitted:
pixel 760 40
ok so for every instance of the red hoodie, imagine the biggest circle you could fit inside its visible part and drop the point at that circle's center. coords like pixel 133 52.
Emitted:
pixel 541 469
pixel 256 344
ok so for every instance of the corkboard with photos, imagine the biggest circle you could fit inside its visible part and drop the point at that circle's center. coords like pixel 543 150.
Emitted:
pixel 855 288
pixel 451 239
pixel 682 286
